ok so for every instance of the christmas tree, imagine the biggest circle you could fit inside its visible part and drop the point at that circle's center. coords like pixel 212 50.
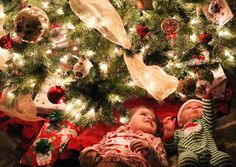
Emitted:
pixel 92 56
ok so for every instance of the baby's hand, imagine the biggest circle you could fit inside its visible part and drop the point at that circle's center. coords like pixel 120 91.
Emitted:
pixel 140 145
pixel 169 124
pixel 90 159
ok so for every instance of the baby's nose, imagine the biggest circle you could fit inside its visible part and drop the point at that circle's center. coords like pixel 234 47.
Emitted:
pixel 149 117
pixel 194 107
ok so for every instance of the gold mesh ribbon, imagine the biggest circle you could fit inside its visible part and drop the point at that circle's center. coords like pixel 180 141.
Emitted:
pixel 23 109
pixel 5 55
pixel 101 15
pixel 151 78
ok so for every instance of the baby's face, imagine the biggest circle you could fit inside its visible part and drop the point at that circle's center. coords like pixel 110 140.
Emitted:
pixel 192 111
pixel 143 119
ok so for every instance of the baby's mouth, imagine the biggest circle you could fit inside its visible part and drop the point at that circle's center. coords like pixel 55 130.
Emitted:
pixel 149 122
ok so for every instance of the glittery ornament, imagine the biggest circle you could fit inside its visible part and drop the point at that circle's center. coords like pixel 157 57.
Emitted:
pixel 170 26
pixel 142 30
pixel 205 38
pixel 31 24
pixel 6 42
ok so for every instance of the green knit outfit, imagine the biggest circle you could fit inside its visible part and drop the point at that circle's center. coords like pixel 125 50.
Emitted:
pixel 198 148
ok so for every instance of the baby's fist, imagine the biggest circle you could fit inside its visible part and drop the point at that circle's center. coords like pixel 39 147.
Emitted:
pixel 169 124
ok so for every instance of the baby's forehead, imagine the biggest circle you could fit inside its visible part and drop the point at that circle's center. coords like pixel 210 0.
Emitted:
pixel 143 109
pixel 192 103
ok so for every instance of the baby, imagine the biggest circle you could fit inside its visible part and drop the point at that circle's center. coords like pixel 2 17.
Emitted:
pixel 194 141
pixel 132 145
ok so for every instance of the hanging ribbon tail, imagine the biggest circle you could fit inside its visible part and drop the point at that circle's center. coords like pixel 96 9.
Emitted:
pixel 151 78
pixel 101 15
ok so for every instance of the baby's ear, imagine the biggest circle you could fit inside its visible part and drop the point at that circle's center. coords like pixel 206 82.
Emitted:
pixel 180 123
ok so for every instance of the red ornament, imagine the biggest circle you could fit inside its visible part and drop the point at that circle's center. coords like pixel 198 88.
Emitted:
pixel 6 42
pixel 142 30
pixel 56 94
pixel 205 38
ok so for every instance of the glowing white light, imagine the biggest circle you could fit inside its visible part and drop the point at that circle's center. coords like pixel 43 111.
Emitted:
pixel 193 37
pixel 75 48
pixel 10 95
pixel 123 120
pixel 78 101
pixel 143 50
pixel 32 83
pixel 64 59
pixel 116 50
pixel 104 22
pixel 54 45
pixel 5 54
pixel 152 86
pixel 60 11
pixel 2 14
pixel 114 98
pixel 231 58
pixel 90 53
pixel 58 81
pixel 69 107
pixel 147 76
pixel 21 62
pixel 103 67
pixel 49 51
pixel 16 56
pixel 91 113
pixel 224 33
pixel 70 26
pixel 192 74
pixel 45 5
pixel 131 84
pixel 178 65
pixel 194 21
pixel 227 53
pixel 132 29
pixel 59 70
pixel 77 116
pixel 170 54
pixel 91 22
pixel 117 98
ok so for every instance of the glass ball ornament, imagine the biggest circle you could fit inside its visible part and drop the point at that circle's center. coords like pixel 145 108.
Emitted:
pixel 31 24
pixel 6 42
pixel 57 34
pixel 82 67
pixel 214 7
pixel 56 94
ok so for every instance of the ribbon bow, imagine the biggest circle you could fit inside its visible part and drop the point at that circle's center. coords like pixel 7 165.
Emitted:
pixel 199 57
pixel 190 124
pixel 171 36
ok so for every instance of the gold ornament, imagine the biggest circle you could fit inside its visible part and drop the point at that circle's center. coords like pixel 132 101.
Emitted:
pixel 31 24
pixel 143 4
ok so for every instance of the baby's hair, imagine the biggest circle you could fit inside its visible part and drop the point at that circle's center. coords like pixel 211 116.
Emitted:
pixel 158 123
pixel 133 109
